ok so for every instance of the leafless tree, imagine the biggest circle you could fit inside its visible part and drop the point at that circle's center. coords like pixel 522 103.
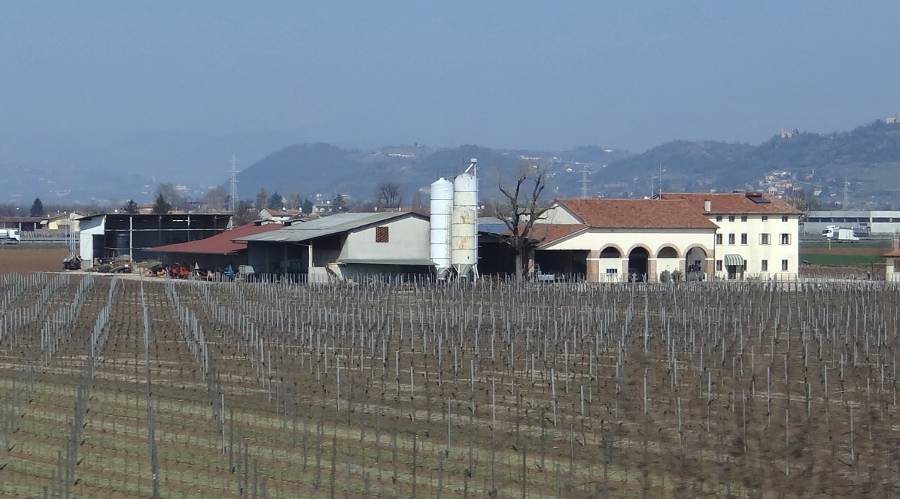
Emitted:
pixel 387 195
pixel 520 206
pixel 216 198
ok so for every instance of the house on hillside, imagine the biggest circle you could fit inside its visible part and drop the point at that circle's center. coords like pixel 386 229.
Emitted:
pixel 345 246
pixel 618 240
pixel 273 215
pixel 756 237
pixel 216 252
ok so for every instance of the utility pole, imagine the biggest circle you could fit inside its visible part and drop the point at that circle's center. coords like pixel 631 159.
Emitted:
pixel 233 183
pixel 846 197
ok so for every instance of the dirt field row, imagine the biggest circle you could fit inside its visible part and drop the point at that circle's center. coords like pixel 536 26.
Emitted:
pixel 544 391
pixel 29 258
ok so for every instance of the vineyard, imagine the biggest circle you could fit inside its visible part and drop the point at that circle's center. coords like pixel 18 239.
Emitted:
pixel 124 388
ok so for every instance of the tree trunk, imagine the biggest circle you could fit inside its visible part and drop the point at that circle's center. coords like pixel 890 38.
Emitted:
pixel 519 265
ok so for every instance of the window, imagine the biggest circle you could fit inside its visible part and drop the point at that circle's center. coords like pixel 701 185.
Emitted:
pixel 743 218
pixel 744 238
pixel 784 218
pixel 612 271
pixel 719 239
pixel 731 218
pixel 718 218
pixel 765 218
pixel 784 265
pixel 764 266
pixel 718 265
pixel 730 238
pixel 382 235
pixel 785 239
pixel 764 239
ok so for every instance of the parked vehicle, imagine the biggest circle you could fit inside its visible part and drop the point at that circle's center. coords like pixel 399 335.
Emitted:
pixel 836 233
pixel 10 236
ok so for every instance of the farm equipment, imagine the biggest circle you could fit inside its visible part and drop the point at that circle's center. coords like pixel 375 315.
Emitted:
pixel 72 262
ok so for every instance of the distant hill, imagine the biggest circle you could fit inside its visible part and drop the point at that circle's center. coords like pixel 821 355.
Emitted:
pixel 868 157
pixel 326 169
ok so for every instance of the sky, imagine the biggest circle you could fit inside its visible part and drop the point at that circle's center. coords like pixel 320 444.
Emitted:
pixel 500 73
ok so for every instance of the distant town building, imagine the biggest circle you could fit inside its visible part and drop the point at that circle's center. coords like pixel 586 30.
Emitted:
pixel 892 262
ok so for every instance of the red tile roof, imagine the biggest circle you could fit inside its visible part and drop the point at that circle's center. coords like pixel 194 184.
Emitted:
pixel 735 203
pixel 638 213
pixel 895 249
pixel 220 244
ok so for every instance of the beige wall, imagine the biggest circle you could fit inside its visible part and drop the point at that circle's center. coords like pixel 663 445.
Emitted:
pixel 754 252
pixel 892 270
pixel 408 238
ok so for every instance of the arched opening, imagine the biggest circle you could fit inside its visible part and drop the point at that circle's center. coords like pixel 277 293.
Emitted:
pixel 611 252
pixel 694 264
pixel 637 264
pixel 667 252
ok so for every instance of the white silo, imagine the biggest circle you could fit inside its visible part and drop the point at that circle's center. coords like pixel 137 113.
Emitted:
pixel 441 211
pixel 464 226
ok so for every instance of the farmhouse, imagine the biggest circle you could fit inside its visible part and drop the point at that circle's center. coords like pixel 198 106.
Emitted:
pixel 215 252
pixel 757 236
pixel 614 240
pixel 345 246
pixel 892 262
pixel 117 234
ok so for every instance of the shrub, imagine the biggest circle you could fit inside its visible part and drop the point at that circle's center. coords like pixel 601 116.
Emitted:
pixel 665 276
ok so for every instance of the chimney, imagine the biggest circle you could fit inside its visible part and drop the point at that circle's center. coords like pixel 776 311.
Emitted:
pixel 707 206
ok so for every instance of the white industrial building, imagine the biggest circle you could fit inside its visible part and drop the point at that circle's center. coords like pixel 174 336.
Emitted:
pixel 729 236
pixel 863 222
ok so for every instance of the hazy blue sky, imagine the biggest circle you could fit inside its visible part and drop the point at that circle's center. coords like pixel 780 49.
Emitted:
pixel 497 73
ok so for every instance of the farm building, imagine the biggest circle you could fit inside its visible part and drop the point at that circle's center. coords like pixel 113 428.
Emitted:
pixel 274 215
pixel 863 222
pixel 345 246
pixel 613 240
pixel 892 262
pixel 216 252
pixel 111 235
pixel 729 236
pixel 22 224
pixel 757 236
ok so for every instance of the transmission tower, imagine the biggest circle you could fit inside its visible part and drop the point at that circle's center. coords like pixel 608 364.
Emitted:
pixel 585 181
pixel 234 173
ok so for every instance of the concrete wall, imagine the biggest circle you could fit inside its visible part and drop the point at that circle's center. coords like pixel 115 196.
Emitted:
pixel 407 238
pixel 625 240
pixel 754 252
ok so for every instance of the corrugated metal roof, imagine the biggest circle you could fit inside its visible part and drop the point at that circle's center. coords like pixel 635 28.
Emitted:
pixel 326 226
pixel 220 244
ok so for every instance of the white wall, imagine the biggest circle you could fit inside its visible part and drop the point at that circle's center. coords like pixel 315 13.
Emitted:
pixel 892 270
pixel 89 228
pixel 408 237
pixel 754 252
pixel 558 215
